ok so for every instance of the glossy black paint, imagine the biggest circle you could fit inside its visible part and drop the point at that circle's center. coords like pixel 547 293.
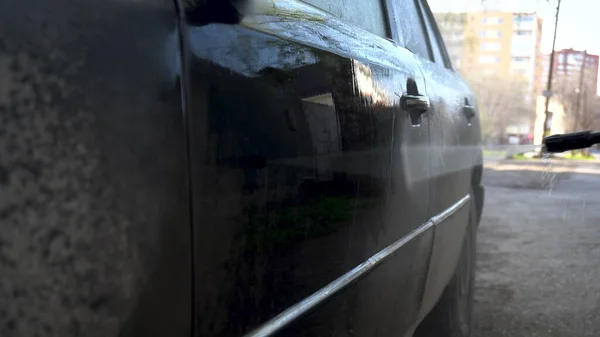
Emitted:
pixel 94 206
pixel 455 156
pixel 304 165
pixel 165 175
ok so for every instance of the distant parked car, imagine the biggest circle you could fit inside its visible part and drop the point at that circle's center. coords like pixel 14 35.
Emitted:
pixel 245 168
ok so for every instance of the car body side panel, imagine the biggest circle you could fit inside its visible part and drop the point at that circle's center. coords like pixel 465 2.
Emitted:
pixel 94 207
pixel 455 155
pixel 304 166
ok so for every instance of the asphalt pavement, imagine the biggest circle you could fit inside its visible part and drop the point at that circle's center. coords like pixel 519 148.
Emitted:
pixel 538 270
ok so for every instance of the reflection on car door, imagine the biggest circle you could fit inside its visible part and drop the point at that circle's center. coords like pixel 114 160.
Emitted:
pixel 306 170
pixel 454 154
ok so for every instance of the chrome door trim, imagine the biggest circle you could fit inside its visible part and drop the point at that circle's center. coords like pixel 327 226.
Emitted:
pixel 437 219
pixel 290 314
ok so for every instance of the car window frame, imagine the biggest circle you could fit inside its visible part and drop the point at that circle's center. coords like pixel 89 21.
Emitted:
pixel 437 36
pixel 388 19
pixel 395 34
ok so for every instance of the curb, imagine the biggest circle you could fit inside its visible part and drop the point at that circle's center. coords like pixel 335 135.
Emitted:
pixel 539 162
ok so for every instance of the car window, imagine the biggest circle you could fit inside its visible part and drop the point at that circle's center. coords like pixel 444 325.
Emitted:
pixel 369 15
pixel 437 44
pixel 407 26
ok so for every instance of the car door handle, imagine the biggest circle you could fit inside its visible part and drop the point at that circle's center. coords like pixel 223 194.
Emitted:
pixel 415 105
pixel 469 112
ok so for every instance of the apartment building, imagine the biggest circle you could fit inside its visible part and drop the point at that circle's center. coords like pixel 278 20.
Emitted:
pixel 495 43
pixel 569 66
pixel 452 27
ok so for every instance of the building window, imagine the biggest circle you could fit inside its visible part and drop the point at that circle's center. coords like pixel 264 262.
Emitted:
pixel 487 59
pixel 523 32
pixel 491 33
pixel 520 59
pixel 520 18
pixel 519 71
pixel 492 21
pixel 572 59
pixel 490 46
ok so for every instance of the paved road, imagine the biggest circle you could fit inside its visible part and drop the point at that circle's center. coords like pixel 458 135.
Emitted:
pixel 539 252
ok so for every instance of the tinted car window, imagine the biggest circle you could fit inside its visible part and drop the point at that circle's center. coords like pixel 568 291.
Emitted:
pixel 369 15
pixel 407 26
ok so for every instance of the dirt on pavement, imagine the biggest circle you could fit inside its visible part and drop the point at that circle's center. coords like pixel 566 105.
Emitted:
pixel 538 246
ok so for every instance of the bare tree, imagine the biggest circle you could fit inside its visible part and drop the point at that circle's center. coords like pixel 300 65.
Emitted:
pixel 502 102
pixel 580 104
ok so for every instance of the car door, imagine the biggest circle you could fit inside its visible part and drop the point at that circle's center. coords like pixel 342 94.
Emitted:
pixel 310 167
pixel 94 209
pixel 455 149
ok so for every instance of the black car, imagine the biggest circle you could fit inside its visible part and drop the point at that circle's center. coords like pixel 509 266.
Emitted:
pixel 234 168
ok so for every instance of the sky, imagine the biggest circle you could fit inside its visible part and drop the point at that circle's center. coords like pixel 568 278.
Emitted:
pixel 577 24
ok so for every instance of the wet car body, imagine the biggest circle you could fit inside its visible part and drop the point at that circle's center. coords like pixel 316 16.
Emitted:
pixel 175 169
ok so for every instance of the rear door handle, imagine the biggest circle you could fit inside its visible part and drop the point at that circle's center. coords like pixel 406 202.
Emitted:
pixel 469 112
pixel 415 105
